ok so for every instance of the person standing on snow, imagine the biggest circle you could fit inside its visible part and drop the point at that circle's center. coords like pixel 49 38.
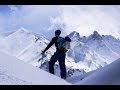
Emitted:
pixel 59 55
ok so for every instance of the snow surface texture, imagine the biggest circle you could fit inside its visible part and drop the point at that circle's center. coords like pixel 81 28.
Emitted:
pixel 6 79
pixel 108 75
pixel 16 72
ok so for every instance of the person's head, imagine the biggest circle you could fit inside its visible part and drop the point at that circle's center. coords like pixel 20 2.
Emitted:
pixel 57 32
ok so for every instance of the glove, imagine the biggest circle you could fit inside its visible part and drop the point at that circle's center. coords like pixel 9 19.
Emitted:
pixel 43 53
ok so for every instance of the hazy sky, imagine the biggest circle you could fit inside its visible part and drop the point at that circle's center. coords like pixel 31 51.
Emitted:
pixel 46 18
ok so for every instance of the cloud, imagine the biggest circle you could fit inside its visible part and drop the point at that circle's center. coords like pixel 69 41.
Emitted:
pixel 46 18
pixel 33 17
pixel 87 18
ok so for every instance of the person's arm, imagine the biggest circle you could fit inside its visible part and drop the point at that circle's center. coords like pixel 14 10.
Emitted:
pixel 49 45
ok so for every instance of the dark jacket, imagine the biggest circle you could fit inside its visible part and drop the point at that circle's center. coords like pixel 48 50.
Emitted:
pixel 53 41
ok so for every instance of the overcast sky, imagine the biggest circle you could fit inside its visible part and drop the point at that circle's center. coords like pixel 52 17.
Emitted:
pixel 46 18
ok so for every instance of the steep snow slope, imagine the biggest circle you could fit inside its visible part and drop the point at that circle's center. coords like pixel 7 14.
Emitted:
pixel 14 71
pixel 113 43
pixel 108 75
pixel 78 78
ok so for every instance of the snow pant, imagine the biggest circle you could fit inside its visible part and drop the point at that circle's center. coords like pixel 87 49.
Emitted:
pixel 61 59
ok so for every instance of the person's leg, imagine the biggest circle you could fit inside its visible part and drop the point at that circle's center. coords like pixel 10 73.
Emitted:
pixel 62 66
pixel 52 62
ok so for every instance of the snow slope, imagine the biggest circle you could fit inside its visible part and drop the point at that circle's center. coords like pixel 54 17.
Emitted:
pixel 78 78
pixel 108 75
pixel 14 71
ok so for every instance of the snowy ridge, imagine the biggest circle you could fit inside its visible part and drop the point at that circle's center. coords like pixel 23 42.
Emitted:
pixel 17 72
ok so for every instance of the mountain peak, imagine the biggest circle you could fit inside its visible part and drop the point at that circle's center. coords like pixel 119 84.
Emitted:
pixel 74 32
pixel 96 35
pixel 22 30
pixel 74 35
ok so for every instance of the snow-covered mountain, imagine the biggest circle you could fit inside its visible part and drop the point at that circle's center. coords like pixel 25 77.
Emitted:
pixel 94 51
pixel 16 72
pixel 86 53
pixel 74 36
pixel 103 45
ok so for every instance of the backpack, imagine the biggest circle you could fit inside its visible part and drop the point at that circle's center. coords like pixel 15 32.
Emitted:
pixel 63 43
